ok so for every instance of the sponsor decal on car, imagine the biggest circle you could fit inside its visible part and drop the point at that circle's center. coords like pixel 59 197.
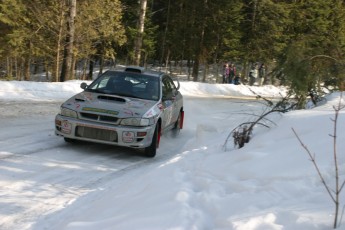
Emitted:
pixel 128 112
pixel 161 106
pixel 66 127
pixel 127 136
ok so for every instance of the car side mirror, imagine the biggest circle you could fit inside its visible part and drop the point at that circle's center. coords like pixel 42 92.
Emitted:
pixel 83 85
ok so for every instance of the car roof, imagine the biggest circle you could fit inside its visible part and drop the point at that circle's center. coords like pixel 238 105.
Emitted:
pixel 138 70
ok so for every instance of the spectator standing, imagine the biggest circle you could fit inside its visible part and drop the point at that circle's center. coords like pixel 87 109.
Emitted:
pixel 226 73
pixel 262 74
pixel 253 74
pixel 232 73
pixel 237 79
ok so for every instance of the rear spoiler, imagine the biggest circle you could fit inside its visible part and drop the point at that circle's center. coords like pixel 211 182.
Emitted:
pixel 135 69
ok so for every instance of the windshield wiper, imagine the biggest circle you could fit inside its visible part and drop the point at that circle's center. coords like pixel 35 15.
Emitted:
pixel 111 93
pixel 95 90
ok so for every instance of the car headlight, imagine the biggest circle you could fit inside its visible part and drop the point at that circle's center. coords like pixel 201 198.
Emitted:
pixel 137 121
pixel 69 113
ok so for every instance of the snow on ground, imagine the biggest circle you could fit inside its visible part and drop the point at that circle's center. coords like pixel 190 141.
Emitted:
pixel 269 184
pixel 19 90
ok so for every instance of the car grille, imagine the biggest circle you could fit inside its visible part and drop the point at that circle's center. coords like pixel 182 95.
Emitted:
pixel 96 117
pixel 95 133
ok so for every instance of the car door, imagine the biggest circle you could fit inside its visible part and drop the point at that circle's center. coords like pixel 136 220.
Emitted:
pixel 169 102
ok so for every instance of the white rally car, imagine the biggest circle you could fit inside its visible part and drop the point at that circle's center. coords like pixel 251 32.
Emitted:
pixel 131 107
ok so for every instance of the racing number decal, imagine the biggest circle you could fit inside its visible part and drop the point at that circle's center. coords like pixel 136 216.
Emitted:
pixel 66 127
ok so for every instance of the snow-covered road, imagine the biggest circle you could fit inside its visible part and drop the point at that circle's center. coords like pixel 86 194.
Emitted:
pixel 192 183
pixel 44 180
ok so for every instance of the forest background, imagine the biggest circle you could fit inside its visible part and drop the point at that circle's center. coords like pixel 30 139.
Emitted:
pixel 302 42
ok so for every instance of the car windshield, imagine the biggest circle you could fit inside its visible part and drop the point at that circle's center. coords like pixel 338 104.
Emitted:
pixel 127 84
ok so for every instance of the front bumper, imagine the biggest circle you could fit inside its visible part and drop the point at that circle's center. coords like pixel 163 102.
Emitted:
pixel 134 137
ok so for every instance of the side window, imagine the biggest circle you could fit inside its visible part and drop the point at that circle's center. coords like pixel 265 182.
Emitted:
pixel 168 87
pixel 101 83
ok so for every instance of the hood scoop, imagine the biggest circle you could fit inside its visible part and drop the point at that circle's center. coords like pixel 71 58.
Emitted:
pixel 109 98
pixel 79 99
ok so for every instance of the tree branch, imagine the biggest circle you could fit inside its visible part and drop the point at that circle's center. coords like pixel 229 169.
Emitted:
pixel 315 165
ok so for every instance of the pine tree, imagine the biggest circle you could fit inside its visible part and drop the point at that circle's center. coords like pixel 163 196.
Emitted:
pixel 99 31
pixel 309 46
pixel 19 37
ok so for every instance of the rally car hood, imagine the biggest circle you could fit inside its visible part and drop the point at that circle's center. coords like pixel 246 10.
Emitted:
pixel 112 105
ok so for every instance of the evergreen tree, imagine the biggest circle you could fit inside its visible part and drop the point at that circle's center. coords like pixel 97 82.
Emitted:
pixel 304 39
pixel 21 33
pixel 309 46
pixel 99 31
pixel 130 21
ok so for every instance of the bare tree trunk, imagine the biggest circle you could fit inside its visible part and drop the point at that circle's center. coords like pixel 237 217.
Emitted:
pixel 195 70
pixel 58 47
pixel 255 7
pixel 206 71
pixel 189 64
pixel 73 65
pixel 8 67
pixel 139 39
pixel 165 35
pixel 27 61
pixel 66 69
pixel 91 66
pixel 26 69
pixel 167 61
pixel 101 64
pixel 198 56
pixel 199 51
pixel 16 69
pixel 46 68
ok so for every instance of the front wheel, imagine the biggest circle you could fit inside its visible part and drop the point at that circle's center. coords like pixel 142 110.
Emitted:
pixel 178 124
pixel 151 150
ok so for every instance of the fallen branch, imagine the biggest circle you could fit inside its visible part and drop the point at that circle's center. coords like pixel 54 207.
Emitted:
pixel 242 134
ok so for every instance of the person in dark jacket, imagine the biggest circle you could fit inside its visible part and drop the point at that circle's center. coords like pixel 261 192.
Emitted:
pixel 262 74
pixel 232 73
pixel 237 79
pixel 253 74
pixel 226 72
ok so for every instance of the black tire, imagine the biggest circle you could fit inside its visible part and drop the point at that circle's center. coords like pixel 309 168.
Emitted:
pixel 151 150
pixel 177 127
pixel 69 140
